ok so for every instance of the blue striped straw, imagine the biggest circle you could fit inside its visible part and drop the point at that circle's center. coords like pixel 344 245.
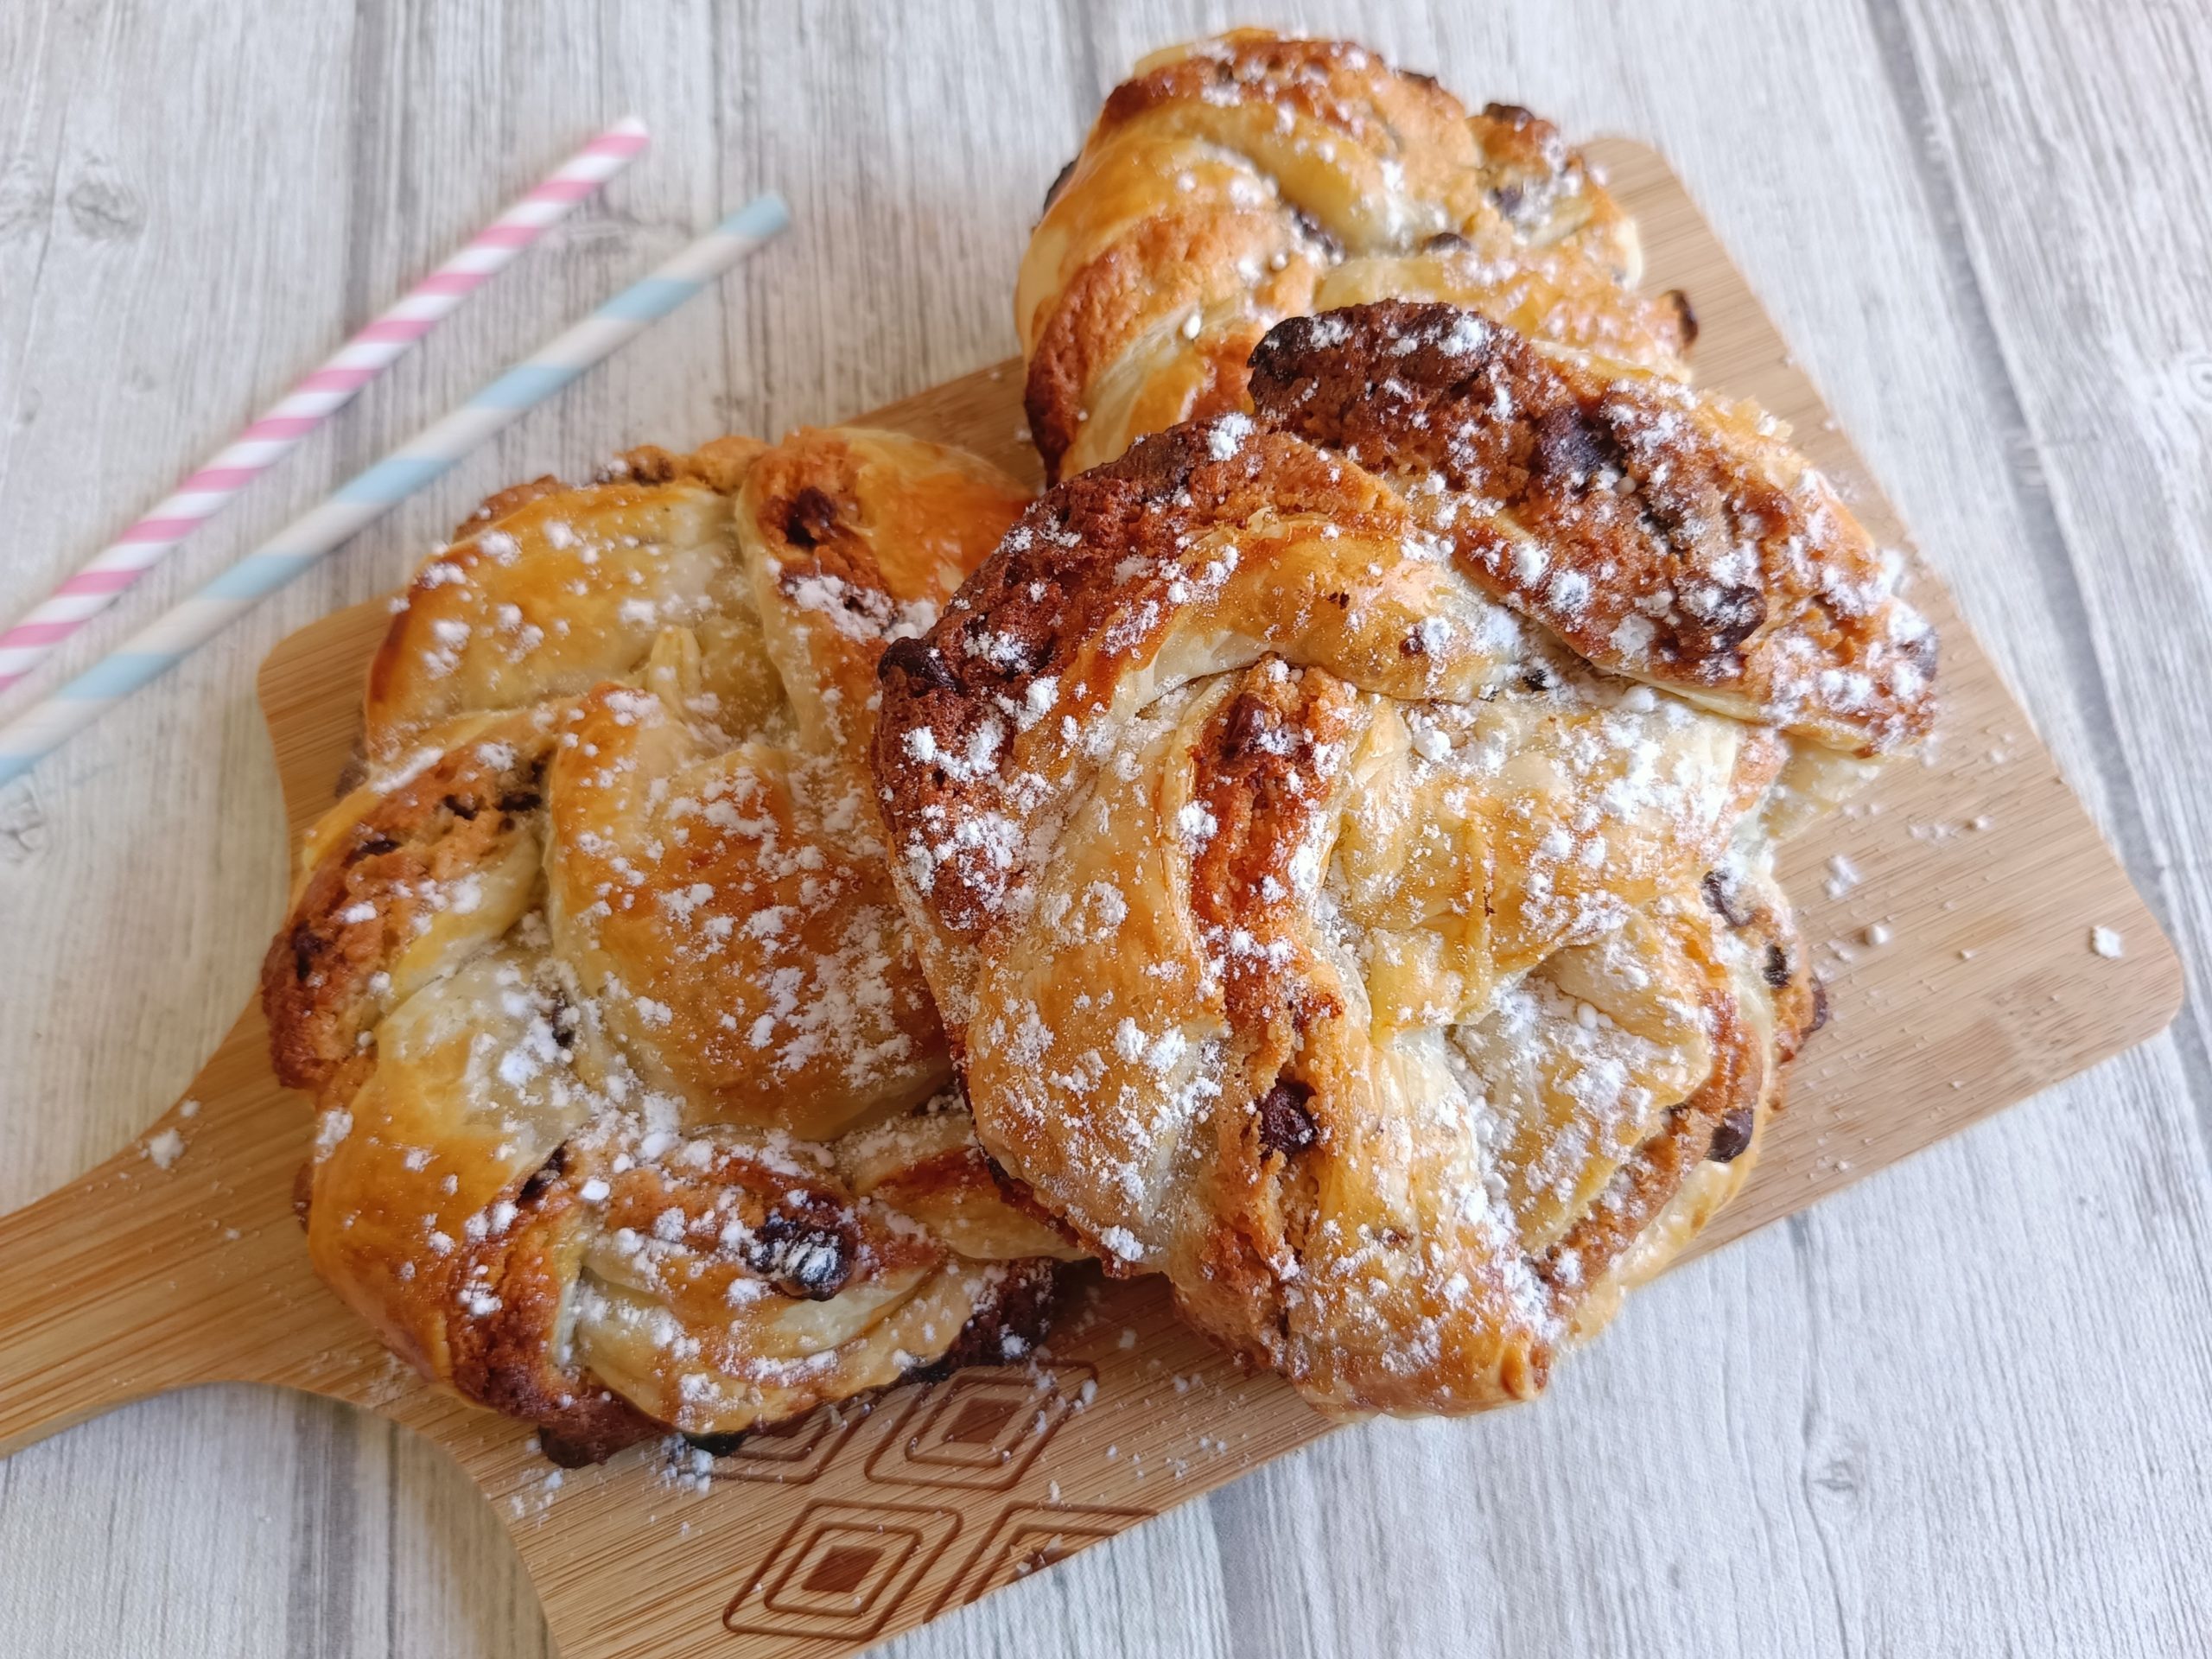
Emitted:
pixel 168 640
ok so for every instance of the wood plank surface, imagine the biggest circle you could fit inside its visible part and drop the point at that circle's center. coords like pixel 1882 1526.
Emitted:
pixel 1959 1409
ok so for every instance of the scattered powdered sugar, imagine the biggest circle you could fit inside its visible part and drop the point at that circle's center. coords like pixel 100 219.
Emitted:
pixel 1123 1244
pixel 1228 435
pixel 165 1149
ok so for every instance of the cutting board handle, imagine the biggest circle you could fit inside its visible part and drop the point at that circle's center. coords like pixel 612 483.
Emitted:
pixel 175 1262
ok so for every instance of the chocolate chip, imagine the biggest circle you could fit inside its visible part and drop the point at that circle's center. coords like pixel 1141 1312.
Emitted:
pixel 1686 312
pixel 1727 616
pixel 1775 969
pixel 544 1175
pixel 1732 1135
pixel 917 660
pixel 521 800
pixel 1444 242
pixel 716 1446
pixel 373 846
pixel 465 810
pixel 1286 1125
pixel 1724 895
pixel 808 1257
pixel 1572 448
pixel 811 518
pixel 1246 729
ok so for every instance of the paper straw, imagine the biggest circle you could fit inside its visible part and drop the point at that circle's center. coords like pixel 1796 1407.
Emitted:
pixel 371 494
pixel 313 400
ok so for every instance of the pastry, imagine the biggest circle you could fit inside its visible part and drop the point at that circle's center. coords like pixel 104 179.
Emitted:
pixel 634 1112
pixel 1340 839
pixel 1241 180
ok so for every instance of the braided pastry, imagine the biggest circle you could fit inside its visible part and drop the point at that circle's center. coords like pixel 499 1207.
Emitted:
pixel 1241 180
pixel 1344 861
pixel 635 1110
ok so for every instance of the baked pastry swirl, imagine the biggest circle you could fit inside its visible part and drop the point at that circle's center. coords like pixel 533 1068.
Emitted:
pixel 1336 904
pixel 634 1109
pixel 1237 180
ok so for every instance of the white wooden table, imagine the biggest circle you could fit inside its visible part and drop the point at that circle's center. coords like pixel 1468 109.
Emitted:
pixel 1965 1408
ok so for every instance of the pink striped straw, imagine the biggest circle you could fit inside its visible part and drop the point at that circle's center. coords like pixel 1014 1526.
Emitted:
pixel 313 400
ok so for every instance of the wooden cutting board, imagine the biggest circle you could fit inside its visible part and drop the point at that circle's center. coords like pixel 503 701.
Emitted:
pixel 179 1261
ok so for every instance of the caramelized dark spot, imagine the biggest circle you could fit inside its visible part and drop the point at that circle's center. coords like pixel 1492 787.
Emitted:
pixel 811 519
pixel 716 1446
pixel 917 660
pixel 1015 651
pixel 306 946
pixel 1286 1125
pixel 374 846
pixel 544 1175
pixel 808 1255
pixel 1412 645
pixel 465 810
pixel 521 800
pixel 1820 1008
pixel 1731 1137
pixel 1723 895
pixel 1538 677
pixel 1775 969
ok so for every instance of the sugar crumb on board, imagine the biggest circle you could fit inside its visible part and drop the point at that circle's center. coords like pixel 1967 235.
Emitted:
pixel 2108 943
pixel 167 1147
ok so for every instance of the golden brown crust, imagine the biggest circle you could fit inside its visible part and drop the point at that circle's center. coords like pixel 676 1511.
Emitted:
pixel 614 802
pixel 1249 839
pixel 1241 180
pixel 1175 264
pixel 1659 534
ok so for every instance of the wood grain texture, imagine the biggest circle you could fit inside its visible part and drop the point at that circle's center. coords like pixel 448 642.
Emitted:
pixel 1958 1409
